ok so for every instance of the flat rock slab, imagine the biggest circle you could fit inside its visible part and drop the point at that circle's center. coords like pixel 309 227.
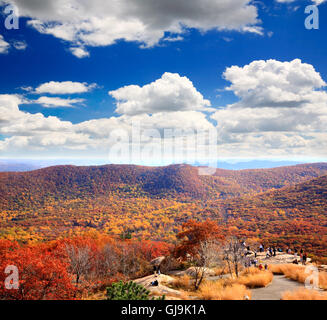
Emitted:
pixel 161 289
pixel 274 291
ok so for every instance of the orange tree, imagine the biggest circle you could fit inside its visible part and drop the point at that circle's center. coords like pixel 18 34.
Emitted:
pixel 193 233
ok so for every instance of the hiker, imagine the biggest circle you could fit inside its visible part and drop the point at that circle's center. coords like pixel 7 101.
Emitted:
pixel 304 259
pixel 260 266
pixel 155 270
pixel 267 255
pixel 301 251
pixel 270 252
pixel 261 248
pixel 154 283
pixel 255 253
pixel 274 250
pixel 301 258
pixel 266 266
pixel 156 265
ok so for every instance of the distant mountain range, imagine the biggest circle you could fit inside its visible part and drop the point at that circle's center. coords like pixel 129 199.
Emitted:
pixel 14 165
pixel 285 204
pixel 73 182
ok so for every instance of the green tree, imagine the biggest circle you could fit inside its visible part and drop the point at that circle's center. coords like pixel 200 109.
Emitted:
pixel 128 291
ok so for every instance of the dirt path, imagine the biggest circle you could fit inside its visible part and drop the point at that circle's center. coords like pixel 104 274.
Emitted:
pixel 274 291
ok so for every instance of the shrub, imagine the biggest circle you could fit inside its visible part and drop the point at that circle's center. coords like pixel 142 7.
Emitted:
pixel 184 282
pixel 276 269
pixel 127 291
pixel 216 290
pixel 252 278
pixel 256 280
pixel 297 273
pixel 304 294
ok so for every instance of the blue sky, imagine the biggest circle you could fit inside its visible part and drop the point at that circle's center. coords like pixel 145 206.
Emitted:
pixel 275 31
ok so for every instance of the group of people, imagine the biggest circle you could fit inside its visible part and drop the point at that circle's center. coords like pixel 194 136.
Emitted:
pixel 303 257
pixel 272 252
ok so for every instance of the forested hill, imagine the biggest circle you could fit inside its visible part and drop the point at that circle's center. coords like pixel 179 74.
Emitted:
pixel 291 215
pixel 73 182
pixel 308 197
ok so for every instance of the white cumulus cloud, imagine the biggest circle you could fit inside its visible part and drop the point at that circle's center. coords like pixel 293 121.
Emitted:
pixel 282 110
pixel 274 83
pixel 65 87
pixel 168 94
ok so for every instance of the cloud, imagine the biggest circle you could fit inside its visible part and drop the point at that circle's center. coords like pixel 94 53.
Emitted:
pixel 281 111
pixel 288 118
pixel 168 94
pixel 4 45
pixel 173 39
pixel 65 87
pixel 273 83
pixel 20 45
pixel 36 135
pixel 15 122
pixel 54 102
pixel 316 2
pixel 102 23
pixel 79 52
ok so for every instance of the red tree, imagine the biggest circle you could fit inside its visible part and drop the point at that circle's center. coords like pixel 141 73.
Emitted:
pixel 194 233
pixel 42 276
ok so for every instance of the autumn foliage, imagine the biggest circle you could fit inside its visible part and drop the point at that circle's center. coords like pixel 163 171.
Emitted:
pixel 304 294
pixel 194 233
pixel 42 274
pixel 70 268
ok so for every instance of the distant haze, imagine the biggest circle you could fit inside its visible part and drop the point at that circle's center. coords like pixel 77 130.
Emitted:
pixel 11 165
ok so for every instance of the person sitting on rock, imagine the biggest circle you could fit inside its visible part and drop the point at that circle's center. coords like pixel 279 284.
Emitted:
pixel 155 283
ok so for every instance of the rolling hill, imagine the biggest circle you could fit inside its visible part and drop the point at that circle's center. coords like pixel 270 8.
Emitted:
pixel 294 215
pixel 73 182
pixel 285 204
